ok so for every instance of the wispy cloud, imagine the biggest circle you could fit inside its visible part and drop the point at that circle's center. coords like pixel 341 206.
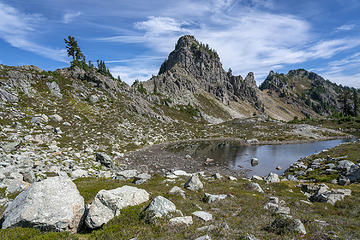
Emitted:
pixel 247 38
pixel 345 70
pixel 70 16
pixel 17 28
pixel 346 27
pixel 133 72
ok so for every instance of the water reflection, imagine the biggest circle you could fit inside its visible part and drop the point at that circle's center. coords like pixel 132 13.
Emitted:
pixel 270 156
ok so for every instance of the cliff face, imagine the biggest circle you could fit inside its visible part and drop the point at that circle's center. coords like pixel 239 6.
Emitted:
pixel 309 91
pixel 193 68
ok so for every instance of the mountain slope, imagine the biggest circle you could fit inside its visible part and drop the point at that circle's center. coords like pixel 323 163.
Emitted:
pixel 306 92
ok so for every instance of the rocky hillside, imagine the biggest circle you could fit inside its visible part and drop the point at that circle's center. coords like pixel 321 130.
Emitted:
pixel 193 74
pixel 306 91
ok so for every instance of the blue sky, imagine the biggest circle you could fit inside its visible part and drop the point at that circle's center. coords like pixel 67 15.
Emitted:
pixel 135 36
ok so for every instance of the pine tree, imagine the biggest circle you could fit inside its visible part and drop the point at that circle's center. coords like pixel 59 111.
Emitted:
pixel 73 49
pixel 355 97
pixel 345 102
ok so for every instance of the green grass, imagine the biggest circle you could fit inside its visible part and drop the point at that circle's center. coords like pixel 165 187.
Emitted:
pixel 243 212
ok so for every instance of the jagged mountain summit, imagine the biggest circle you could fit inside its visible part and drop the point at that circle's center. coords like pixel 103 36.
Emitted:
pixel 193 74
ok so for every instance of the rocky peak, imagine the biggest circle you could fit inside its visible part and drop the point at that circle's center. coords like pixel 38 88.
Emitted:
pixel 194 67
pixel 197 59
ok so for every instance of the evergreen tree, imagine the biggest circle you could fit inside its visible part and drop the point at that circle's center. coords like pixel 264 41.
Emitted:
pixel 345 102
pixel 355 97
pixel 73 49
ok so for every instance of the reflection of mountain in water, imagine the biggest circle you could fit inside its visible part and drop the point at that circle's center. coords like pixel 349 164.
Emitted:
pixel 238 157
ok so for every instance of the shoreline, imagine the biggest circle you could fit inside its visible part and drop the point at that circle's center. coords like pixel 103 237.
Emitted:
pixel 243 142
pixel 158 158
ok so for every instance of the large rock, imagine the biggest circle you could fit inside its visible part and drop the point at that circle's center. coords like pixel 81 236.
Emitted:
pixel 54 89
pixel 53 204
pixel 322 193
pixel 108 203
pixel 161 206
pixel 344 165
pixel 194 183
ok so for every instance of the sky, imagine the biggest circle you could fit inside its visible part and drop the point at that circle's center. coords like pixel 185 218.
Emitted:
pixel 134 37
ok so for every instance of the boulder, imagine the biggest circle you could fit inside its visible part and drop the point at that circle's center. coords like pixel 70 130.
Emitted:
pixel 344 165
pixel 194 183
pixel 54 89
pixel 160 207
pixel 53 204
pixel 322 193
pixel 108 203
pixel 205 216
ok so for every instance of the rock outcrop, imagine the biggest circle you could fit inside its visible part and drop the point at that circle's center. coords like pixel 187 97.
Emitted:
pixel 193 68
pixel 305 91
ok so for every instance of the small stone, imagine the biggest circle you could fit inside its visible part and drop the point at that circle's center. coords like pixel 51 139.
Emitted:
pixel 205 216
pixel 187 220
pixel 205 237
pixel 231 178
pixel 79 173
pixel 161 206
pixel 209 198
pixel 272 178
pixel 105 160
pixel 258 178
pixel 254 161
pixel 217 176
pixel 194 183
pixel 256 187
pixel 178 191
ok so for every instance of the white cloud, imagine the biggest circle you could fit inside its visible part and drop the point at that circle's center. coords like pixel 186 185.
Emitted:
pixel 70 16
pixel 16 28
pixel 159 25
pixel 246 38
pixel 351 80
pixel 131 73
pixel 343 71
pixel 346 27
